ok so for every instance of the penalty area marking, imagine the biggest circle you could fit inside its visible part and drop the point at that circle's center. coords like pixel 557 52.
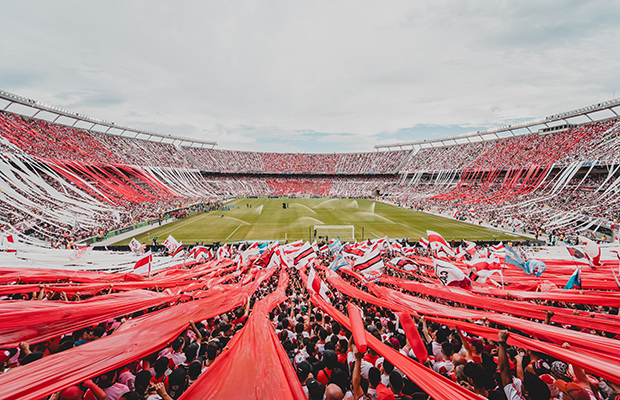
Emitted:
pixel 233 232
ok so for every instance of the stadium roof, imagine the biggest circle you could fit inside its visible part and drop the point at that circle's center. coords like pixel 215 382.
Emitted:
pixel 98 125
pixel 538 125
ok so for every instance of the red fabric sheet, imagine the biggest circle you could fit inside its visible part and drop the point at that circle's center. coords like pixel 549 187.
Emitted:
pixel 610 299
pixel 411 331
pixel 36 275
pixel 133 340
pixel 357 327
pixel 438 387
pixel 255 366
pixel 607 368
pixel 523 309
pixel 595 349
pixel 37 321
pixel 596 345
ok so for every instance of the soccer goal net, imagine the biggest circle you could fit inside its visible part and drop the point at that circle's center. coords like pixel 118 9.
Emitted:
pixel 328 232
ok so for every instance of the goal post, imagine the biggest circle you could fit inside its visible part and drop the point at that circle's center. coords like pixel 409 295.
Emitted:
pixel 343 232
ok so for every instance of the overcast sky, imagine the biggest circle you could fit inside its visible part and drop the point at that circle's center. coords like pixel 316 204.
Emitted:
pixel 312 76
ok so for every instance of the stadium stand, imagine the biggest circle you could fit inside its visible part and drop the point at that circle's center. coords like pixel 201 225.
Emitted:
pixel 526 182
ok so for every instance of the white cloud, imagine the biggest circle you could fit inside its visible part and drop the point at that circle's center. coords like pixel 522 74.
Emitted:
pixel 256 75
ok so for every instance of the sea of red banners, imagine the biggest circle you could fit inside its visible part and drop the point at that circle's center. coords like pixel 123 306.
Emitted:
pixel 179 294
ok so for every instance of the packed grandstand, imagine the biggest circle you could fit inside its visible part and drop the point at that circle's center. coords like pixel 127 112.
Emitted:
pixel 377 319
pixel 72 184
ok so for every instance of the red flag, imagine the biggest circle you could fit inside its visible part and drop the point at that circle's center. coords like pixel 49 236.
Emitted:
pixel 144 264
pixel 369 262
pixel 316 285
pixel 480 264
pixel 439 244
pixel 592 250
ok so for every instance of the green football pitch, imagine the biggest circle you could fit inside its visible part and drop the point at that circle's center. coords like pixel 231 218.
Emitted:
pixel 267 220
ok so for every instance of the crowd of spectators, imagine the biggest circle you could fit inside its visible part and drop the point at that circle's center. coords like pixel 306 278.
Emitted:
pixel 328 363
pixel 535 212
pixel 590 142
pixel 49 140
pixel 214 160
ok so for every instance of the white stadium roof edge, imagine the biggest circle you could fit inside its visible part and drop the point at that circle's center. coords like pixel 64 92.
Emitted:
pixel 98 125
pixel 541 125
pixel 596 112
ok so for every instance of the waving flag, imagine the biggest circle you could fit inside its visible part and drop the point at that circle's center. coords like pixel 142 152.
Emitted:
pixel 439 244
pixel 200 253
pixel 515 259
pixel 276 258
pixel 11 242
pixel 316 285
pixel 348 251
pixel 369 262
pixel 498 247
pixel 339 262
pixel 296 244
pixel 80 251
pixel 536 267
pixel 466 248
pixel 144 264
pixel 334 245
pixel 397 247
pixel 372 276
pixel 482 264
pixel 324 249
pixel 223 252
pixel 449 274
pixel 179 250
pixel 483 275
pixel 264 257
pixel 578 256
pixel 305 255
pixel 136 246
pixel 315 246
pixel 404 263
pixel 592 250
pixel 171 244
pixel 575 280
pixel 423 242
pixel 383 245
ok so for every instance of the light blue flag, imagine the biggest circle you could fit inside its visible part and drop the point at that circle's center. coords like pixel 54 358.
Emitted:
pixel 334 246
pixel 536 267
pixel 575 280
pixel 338 263
pixel 514 259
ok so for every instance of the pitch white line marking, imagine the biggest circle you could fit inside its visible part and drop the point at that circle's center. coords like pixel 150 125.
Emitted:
pixel 233 232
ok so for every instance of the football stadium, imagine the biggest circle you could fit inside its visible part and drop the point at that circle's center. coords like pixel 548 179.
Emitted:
pixel 146 263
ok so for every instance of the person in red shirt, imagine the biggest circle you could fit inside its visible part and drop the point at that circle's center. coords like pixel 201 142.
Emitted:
pixel 342 347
